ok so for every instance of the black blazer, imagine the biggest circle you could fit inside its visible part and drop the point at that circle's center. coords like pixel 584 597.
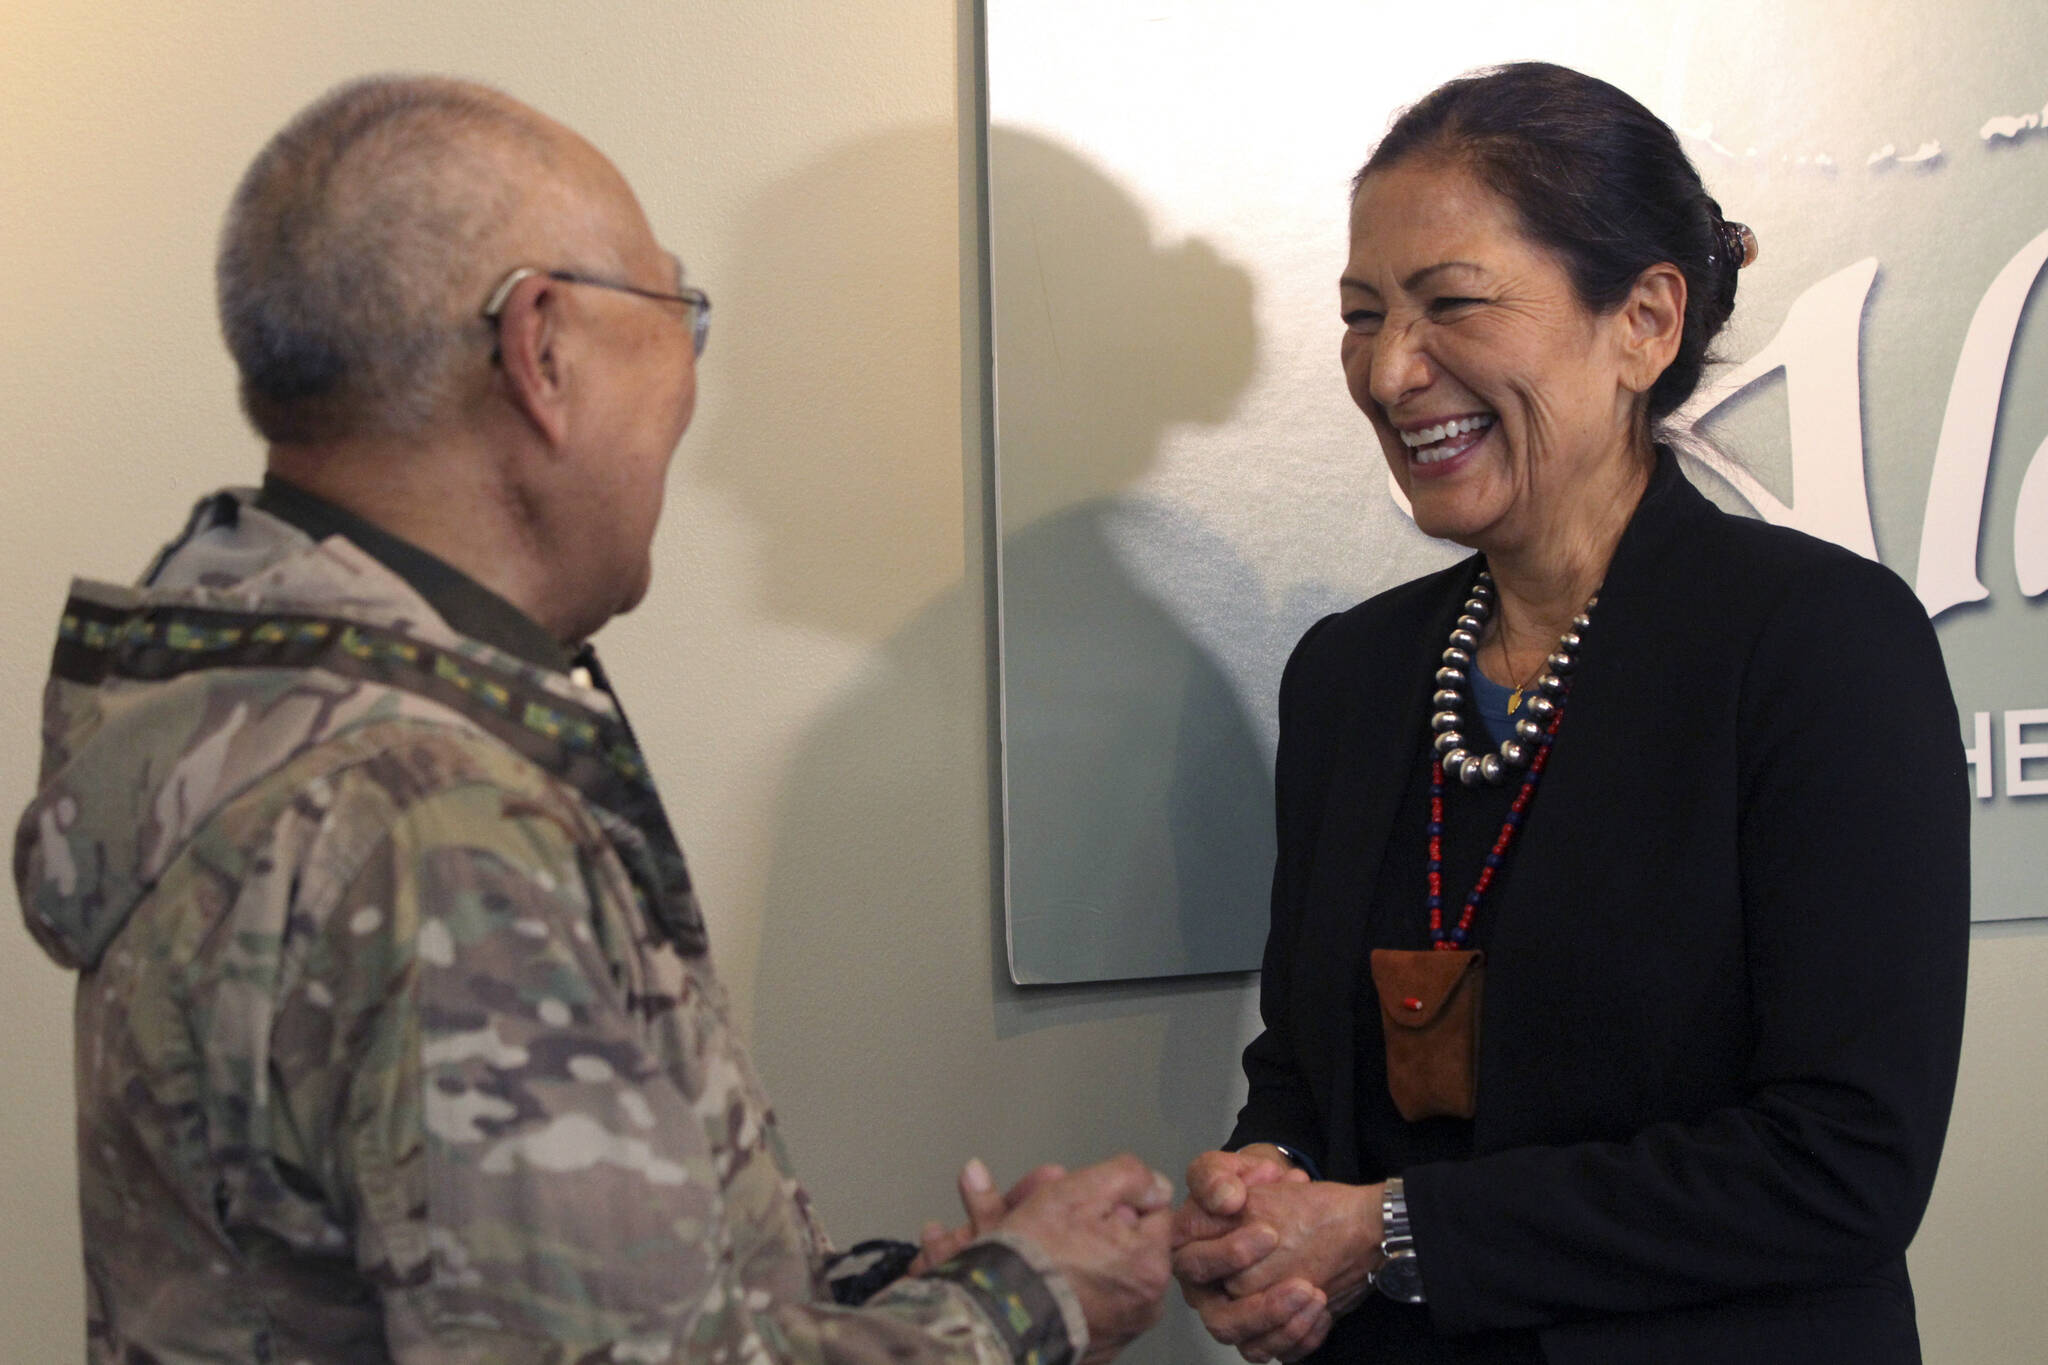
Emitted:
pixel 1724 994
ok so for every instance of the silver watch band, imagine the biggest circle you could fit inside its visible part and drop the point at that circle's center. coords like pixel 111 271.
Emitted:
pixel 1394 1233
pixel 1399 1276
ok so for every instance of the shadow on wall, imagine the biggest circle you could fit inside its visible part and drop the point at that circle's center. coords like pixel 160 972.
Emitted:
pixel 886 1024
pixel 1139 826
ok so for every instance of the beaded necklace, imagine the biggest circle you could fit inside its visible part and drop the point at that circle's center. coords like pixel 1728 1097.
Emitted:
pixel 1534 734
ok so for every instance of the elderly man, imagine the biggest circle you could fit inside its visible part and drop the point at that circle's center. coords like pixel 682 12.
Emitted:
pixel 397 1036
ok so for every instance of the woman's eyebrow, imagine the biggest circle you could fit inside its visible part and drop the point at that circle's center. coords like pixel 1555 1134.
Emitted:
pixel 1414 281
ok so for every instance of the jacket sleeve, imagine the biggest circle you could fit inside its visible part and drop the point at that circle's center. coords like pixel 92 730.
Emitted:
pixel 1854 848
pixel 550 1157
pixel 1279 1105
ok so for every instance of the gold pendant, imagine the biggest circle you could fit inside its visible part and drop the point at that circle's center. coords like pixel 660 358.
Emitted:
pixel 1514 701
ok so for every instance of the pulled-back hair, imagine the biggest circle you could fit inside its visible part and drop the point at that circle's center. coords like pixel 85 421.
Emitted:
pixel 351 251
pixel 1596 179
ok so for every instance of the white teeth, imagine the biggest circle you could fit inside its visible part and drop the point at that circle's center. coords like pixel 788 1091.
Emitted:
pixel 1443 431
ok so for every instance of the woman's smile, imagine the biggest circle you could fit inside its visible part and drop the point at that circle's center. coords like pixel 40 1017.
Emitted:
pixel 1503 405
pixel 1440 442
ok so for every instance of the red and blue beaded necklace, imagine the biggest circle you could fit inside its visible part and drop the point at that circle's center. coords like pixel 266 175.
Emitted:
pixel 1529 748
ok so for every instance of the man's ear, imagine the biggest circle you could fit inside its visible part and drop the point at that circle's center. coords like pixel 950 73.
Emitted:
pixel 531 355
pixel 1652 320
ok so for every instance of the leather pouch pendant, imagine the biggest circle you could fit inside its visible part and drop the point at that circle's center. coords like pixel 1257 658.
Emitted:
pixel 1429 1011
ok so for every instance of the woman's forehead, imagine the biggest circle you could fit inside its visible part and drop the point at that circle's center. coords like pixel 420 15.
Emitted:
pixel 1410 218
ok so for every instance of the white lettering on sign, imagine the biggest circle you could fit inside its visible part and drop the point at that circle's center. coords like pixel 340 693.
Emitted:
pixel 2019 752
pixel 1818 349
pixel 1962 458
pixel 2030 527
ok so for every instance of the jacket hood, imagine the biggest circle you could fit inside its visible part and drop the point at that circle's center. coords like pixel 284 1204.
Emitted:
pixel 139 748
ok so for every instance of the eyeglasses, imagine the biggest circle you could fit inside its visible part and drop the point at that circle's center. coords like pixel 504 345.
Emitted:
pixel 696 300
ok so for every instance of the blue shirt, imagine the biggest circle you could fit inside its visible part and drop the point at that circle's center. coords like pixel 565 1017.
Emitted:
pixel 1490 700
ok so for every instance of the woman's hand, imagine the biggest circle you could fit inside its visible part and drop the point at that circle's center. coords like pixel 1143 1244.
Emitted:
pixel 1213 1241
pixel 1218 1181
pixel 1270 1276
pixel 1325 1233
pixel 1285 1322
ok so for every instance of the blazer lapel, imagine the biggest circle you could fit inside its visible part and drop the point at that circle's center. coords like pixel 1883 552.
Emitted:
pixel 1370 773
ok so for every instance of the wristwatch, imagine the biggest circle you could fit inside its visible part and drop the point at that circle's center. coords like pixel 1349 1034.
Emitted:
pixel 1399 1277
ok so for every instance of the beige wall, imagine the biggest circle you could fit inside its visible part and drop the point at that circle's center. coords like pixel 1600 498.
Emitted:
pixel 812 671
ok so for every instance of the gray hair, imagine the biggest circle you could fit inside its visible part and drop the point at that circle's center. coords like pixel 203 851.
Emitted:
pixel 350 267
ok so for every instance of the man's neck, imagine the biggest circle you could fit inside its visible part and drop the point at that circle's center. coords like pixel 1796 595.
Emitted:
pixel 430 501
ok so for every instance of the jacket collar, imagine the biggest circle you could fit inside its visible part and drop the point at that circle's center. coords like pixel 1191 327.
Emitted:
pixel 467 605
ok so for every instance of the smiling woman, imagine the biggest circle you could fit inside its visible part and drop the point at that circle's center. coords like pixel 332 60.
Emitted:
pixel 1508 411
pixel 1588 789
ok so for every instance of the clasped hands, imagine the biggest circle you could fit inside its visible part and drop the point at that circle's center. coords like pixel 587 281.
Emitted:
pixel 1269 1258
pixel 1266 1256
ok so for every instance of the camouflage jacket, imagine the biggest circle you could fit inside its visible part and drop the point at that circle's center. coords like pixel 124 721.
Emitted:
pixel 397 1037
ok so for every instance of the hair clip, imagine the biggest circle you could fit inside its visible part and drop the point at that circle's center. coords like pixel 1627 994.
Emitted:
pixel 1738 243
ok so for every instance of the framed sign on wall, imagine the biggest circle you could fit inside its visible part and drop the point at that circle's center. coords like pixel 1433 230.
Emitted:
pixel 1184 486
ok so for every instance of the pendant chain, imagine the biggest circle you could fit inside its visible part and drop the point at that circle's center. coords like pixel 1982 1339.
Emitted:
pixel 1507 667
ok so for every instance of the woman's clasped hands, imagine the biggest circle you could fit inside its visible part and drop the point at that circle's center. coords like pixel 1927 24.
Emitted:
pixel 1268 1257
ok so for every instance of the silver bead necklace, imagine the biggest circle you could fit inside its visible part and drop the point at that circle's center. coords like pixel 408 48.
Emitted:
pixel 1448 705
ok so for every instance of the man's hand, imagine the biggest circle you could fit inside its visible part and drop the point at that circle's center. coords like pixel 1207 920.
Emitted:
pixel 1106 1227
pixel 985 1211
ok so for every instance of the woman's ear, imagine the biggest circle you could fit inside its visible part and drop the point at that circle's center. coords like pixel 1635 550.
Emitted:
pixel 1652 320
pixel 531 355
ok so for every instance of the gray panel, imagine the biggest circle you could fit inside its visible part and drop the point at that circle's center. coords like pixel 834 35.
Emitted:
pixel 1182 483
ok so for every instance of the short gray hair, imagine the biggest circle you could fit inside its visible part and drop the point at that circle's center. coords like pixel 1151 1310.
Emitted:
pixel 352 248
